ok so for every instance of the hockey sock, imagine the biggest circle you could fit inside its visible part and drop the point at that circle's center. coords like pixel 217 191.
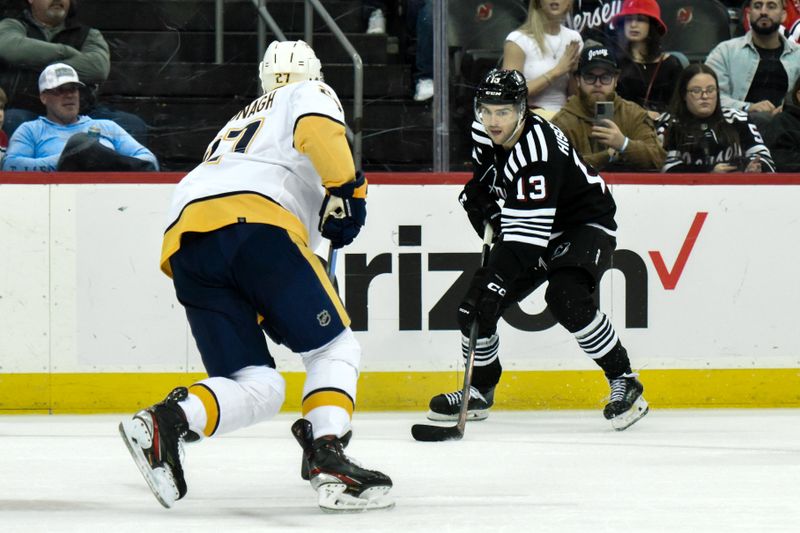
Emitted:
pixel 221 405
pixel 329 391
pixel 487 370
pixel 615 363
pixel 598 338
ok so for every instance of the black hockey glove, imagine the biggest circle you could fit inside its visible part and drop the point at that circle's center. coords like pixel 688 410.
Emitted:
pixel 482 303
pixel 481 208
pixel 344 211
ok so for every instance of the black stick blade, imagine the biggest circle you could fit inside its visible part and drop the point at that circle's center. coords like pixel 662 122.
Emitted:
pixel 427 433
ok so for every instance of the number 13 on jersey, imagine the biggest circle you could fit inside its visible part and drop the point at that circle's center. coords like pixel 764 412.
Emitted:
pixel 531 188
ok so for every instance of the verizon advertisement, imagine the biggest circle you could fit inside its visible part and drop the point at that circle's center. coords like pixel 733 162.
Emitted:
pixel 704 277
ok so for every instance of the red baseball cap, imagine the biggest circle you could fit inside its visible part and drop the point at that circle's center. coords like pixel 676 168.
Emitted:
pixel 649 8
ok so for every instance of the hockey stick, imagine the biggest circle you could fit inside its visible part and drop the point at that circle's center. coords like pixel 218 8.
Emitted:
pixel 331 266
pixel 429 433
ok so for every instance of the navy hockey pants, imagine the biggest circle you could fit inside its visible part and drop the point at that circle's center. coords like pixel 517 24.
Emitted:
pixel 236 280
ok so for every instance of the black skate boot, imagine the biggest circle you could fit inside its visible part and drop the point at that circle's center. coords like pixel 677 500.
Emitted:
pixel 304 460
pixel 445 407
pixel 626 404
pixel 341 484
pixel 155 437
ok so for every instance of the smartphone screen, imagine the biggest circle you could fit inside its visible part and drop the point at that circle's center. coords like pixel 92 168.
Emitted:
pixel 603 110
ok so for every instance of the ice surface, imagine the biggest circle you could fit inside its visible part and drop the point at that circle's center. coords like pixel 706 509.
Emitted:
pixel 676 470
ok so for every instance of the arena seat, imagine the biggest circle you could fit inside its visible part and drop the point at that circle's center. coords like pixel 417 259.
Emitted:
pixel 694 28
pixel 476 32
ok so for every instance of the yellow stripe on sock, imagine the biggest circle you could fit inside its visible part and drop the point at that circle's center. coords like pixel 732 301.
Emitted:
pixel 211 406
pixel 330 398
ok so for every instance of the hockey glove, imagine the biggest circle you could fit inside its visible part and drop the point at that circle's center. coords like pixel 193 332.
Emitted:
pixel 481 208
pixel 344 211
pixel 482 303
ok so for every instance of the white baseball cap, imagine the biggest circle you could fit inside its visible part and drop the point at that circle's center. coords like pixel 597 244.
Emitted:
pixel 56 75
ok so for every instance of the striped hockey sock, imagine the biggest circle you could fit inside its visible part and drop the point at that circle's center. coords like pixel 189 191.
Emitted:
pixel 598 338
pixel 485 349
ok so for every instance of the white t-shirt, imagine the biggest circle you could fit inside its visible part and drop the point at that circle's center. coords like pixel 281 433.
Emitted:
pixel 554 96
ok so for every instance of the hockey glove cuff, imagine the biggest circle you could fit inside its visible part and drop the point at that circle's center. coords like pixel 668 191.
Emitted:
pixel 482 303
pixel 481 208
pixel 344 212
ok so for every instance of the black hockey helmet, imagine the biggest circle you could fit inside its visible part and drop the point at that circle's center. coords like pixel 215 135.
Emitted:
pixel 502 87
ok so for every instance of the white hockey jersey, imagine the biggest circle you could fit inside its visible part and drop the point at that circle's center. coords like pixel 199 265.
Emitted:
pixel 269 164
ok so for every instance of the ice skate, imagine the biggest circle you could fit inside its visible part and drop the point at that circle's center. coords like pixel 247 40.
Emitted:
pixel 304 459
pixel 445 407
pixel 155 437
pixel 341 484
pixel 626 404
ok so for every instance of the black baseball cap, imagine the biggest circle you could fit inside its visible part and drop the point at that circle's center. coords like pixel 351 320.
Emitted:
pixel 597 56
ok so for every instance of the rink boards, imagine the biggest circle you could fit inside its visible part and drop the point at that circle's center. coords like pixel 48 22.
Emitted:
pixel 703 294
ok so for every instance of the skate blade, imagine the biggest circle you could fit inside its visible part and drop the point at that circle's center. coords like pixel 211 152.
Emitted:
pixel 332 498
pixel 632 415
pixel 159 479
pixel 475 415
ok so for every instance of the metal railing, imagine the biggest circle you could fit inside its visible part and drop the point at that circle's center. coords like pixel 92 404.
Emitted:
pixel 354 133
pixel 441 91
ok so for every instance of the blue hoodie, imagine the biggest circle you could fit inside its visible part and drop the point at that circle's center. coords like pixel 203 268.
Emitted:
pixel 37 145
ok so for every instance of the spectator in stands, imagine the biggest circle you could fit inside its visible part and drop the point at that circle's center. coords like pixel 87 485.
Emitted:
pixel 628 142
pixel 546 52
pixel 3 136
pixel 419 23
pixel 790 26
pixel 592 19
pixel 45 143
pixel 701 135
pixel 756 70
pixel 782 134
pixel 647 74
pixel 48 32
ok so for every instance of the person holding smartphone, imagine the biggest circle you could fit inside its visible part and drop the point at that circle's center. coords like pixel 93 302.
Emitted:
pixel 608 131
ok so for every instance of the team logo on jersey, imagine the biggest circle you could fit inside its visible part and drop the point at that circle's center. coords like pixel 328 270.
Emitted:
pixel 542 263
pixel 324 318
pixel 560 250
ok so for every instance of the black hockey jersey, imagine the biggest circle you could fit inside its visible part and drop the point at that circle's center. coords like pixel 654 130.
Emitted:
pixel 592 19
pixel 688 154
pixel 544 187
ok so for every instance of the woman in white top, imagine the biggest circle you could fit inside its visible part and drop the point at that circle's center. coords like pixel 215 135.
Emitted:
pixel 545 51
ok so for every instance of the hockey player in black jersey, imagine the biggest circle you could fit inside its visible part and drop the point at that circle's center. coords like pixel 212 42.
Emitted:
pixel 554 218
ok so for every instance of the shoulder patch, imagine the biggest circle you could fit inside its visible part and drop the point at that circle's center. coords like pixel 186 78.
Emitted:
pixel 734 115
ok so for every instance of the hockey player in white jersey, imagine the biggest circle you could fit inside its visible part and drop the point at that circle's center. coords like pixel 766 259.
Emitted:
pixel 556 224
pixel 276 180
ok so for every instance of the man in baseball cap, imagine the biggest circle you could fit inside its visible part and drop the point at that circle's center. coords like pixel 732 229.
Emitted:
pixel 59 88
pixel 622 137
pixel 65 140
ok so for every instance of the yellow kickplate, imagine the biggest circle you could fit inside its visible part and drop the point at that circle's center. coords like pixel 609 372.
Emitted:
pixel 411 391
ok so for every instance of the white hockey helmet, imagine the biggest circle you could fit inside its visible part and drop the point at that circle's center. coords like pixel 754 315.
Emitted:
pixel 288 62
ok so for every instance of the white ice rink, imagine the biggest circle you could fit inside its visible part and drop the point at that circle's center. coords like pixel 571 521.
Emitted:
pixel 676 470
